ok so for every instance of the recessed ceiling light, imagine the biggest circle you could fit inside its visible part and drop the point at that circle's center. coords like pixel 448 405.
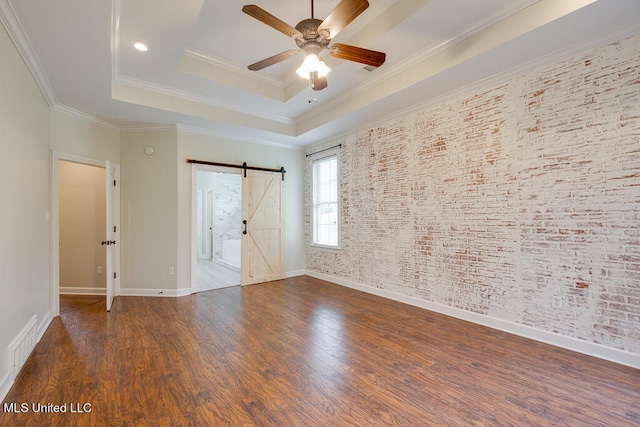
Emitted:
pixel 141 47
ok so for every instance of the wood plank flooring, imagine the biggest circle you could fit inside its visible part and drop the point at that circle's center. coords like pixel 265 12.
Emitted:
pixel 70 302
pixel 303 352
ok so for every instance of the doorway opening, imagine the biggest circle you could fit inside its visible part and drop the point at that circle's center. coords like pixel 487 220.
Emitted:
pixel 218 220
pixel 82 222
pixel 85 204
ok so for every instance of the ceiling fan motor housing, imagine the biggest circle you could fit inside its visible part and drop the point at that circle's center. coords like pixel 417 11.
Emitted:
pixel 309 30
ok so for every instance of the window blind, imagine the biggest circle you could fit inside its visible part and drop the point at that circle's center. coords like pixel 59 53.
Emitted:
pixel 325 201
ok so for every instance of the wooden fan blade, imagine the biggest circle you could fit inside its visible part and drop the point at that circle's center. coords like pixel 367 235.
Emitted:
pixel 345 12
pixel 318 83
pixel 272 60
pixel 267 18
pixel 357 54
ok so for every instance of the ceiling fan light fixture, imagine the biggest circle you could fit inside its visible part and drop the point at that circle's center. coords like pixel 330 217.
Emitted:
pixel 313 63
pixel 323 69
pixel 313 36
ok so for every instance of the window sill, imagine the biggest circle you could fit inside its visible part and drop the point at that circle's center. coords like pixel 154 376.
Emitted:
pixel 325 248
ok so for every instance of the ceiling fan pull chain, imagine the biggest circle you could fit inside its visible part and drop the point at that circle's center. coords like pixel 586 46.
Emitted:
pixel 310 99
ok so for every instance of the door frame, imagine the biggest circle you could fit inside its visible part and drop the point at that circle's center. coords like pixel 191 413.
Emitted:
pixel 195 168
pixel 54 290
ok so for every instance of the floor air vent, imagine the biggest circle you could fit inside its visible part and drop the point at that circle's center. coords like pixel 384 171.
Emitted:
pixel 22 346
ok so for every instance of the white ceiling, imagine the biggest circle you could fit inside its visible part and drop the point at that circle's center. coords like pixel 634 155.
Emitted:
pixel 195 74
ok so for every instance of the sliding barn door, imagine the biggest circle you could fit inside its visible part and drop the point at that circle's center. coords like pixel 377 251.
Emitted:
pixel 263 227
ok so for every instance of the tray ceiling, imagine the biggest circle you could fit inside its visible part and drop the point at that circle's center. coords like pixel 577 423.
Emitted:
pixel 195 73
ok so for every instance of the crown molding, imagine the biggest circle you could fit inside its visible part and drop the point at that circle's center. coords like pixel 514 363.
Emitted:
pixel 17 34
pixel 234 68
pixel 188 96
pixel 201 131
pixel 218 70
pixel 234 137
pixel 65 109
pixel 153 127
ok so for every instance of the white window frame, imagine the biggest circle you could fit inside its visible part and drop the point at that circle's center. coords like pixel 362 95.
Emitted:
pixel 314 158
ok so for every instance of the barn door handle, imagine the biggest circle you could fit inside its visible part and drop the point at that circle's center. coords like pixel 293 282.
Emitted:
pixel 245 226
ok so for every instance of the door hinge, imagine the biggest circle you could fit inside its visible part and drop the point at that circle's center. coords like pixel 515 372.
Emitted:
pixel 114 182
pixel 114 228
pixel 114 274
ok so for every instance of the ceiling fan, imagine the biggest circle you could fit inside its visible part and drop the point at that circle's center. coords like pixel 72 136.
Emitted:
pixel 313 36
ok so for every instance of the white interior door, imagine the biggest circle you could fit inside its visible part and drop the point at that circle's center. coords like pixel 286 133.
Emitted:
pixel 263 227
pixel 110 236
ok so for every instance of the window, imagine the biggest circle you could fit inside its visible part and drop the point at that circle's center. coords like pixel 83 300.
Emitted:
pixel 325 214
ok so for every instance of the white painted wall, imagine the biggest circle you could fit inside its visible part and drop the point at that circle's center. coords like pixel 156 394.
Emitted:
pixel 24 191
pixel 82 214
pixel 204 147
pixel 149 213
pixel 72 135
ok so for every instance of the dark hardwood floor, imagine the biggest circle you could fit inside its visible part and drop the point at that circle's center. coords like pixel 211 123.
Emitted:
pixel 74 302
pixel 303 352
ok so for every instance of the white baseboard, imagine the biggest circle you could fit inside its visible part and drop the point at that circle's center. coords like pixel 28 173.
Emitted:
pixel 133 292
pixel 20 348
pixel 5 385
pixel 22 345
pixel 580 346
pixel 82 291
pixel 295 273
pixel 44 324
pixel 183 292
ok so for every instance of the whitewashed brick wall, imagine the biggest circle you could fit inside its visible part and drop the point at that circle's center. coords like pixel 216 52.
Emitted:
pixel 520 202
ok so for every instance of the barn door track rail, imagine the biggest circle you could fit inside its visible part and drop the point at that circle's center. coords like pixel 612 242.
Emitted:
pixel 242 166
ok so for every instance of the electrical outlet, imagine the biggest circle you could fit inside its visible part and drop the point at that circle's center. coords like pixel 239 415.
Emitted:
pixel 171 271
pixel 99 270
